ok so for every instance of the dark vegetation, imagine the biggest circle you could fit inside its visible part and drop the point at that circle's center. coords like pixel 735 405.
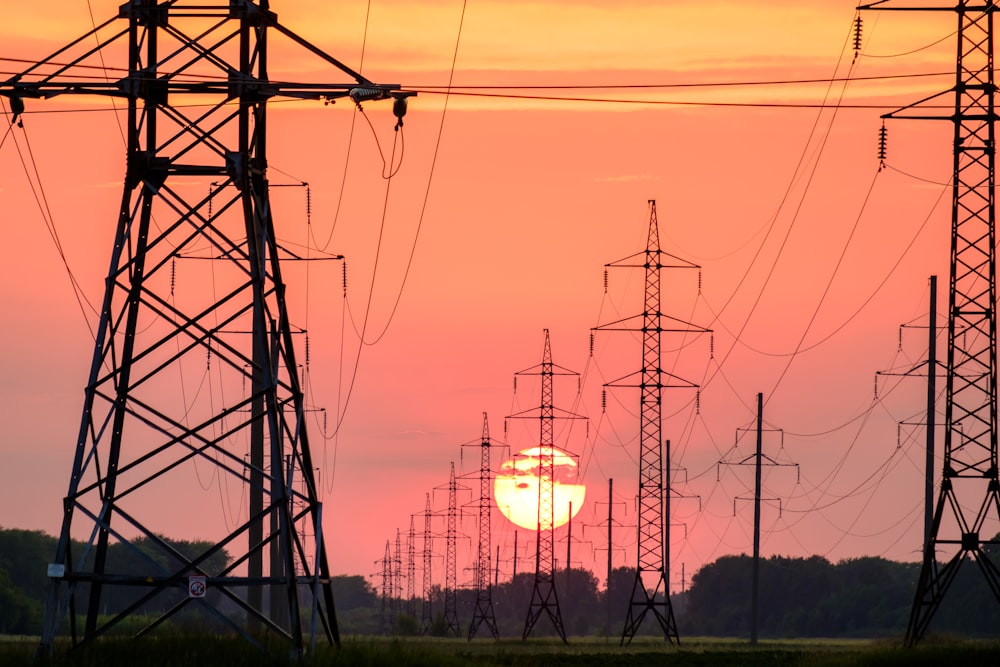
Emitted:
pixel 799 597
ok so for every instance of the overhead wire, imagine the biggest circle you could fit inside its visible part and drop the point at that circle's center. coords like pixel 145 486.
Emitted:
pixel 363 341
pixel 41 200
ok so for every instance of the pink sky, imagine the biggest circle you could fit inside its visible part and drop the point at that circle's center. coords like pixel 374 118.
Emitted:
pixel 528 201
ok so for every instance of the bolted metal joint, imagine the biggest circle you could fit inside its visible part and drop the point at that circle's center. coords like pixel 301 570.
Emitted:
pixel 145 12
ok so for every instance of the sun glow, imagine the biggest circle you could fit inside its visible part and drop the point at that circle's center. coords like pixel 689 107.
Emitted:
pixel 516 488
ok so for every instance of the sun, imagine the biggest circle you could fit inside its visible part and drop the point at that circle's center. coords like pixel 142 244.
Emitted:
pixel 516 488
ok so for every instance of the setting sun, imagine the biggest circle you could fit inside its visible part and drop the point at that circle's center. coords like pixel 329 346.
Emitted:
pixel 516 488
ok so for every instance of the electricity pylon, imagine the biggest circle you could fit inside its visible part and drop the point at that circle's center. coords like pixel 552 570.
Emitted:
pixel 397 575
pixel 758 460
pixel 543 592
pixel 387 617
pixel 651 588
pixel 483 613
pixel 426 611
pixel 167 383
pixel 451 560
pixel 969 498
pixel 411 568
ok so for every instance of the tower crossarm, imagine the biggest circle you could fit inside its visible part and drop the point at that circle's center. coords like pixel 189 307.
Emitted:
pixel 190 69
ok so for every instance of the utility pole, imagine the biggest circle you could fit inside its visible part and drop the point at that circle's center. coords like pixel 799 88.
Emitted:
pixel 483 613
pixel 514 575
pixel 757 460
pixel 755 587
pixel 139 437
pixel 653 544
pixel 569 543
pixel 931 419
pixel 969 498
pixel 610 547
pixel 930 365
pixel 543 595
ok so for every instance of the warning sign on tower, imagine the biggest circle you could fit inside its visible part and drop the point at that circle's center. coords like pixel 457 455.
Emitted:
pixel 197 586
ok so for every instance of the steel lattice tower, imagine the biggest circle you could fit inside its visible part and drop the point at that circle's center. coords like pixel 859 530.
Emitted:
pixel 969 497
pixel 141 433
pixel 411 568
pixel 651 588
pixel 426 616
pixel 543 592
pixel 451 559
pixel 397 575
pixel 388 620
pixel 483 612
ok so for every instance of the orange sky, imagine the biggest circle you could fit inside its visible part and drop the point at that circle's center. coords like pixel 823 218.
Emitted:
pixel 528 200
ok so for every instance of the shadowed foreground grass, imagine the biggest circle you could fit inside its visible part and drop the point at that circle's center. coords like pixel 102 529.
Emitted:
pixel 581 652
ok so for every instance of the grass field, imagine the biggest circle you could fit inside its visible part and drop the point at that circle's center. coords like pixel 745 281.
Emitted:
pixel 584 652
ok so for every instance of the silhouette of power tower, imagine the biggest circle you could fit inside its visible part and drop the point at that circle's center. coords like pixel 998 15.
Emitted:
pixel 543 592
pixel 611 522
pixel 454 628
pixel 387 619
pixel 411 569
pixel 483 612
pixel 653 567
pixel 758 460
pixel 426 611
pixel 969 498
pixel 397 574
pixel 931 368
pixel 196 98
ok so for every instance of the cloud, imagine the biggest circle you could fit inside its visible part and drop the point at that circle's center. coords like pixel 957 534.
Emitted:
pixel 626 178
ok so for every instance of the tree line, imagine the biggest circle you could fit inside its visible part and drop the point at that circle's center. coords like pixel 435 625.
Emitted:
pixel 799 597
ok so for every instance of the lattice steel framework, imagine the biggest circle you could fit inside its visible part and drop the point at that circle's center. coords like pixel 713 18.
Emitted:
pixel 195 112
pixel 969 498
pixel 411 568
pixel 397 574
pixel 387 617
pixel 483 612
pixel 454 628
pixel 543 593
pixel 426 611
pixel 651 590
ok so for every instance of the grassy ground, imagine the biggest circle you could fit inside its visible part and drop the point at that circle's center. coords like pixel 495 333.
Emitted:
pixel 580 652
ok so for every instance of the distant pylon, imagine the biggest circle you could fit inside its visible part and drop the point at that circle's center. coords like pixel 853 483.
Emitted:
pixel 651 587
pixel 387 621
pixel 426 609
pixel 543 594
pixel 397 575
pixel 411 568
pixel 969 498
pixel 483 612
pixel 451 560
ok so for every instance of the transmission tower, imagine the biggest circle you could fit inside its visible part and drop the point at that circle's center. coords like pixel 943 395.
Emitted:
pixel 397 574
pixel 651 588
pixel 969 498
pixel 483 612
pixel 196 98
pixel 411 569
pixel 426 615
pixel 543 593
pixel 451 560
pixel 758 460
pixel 388 620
